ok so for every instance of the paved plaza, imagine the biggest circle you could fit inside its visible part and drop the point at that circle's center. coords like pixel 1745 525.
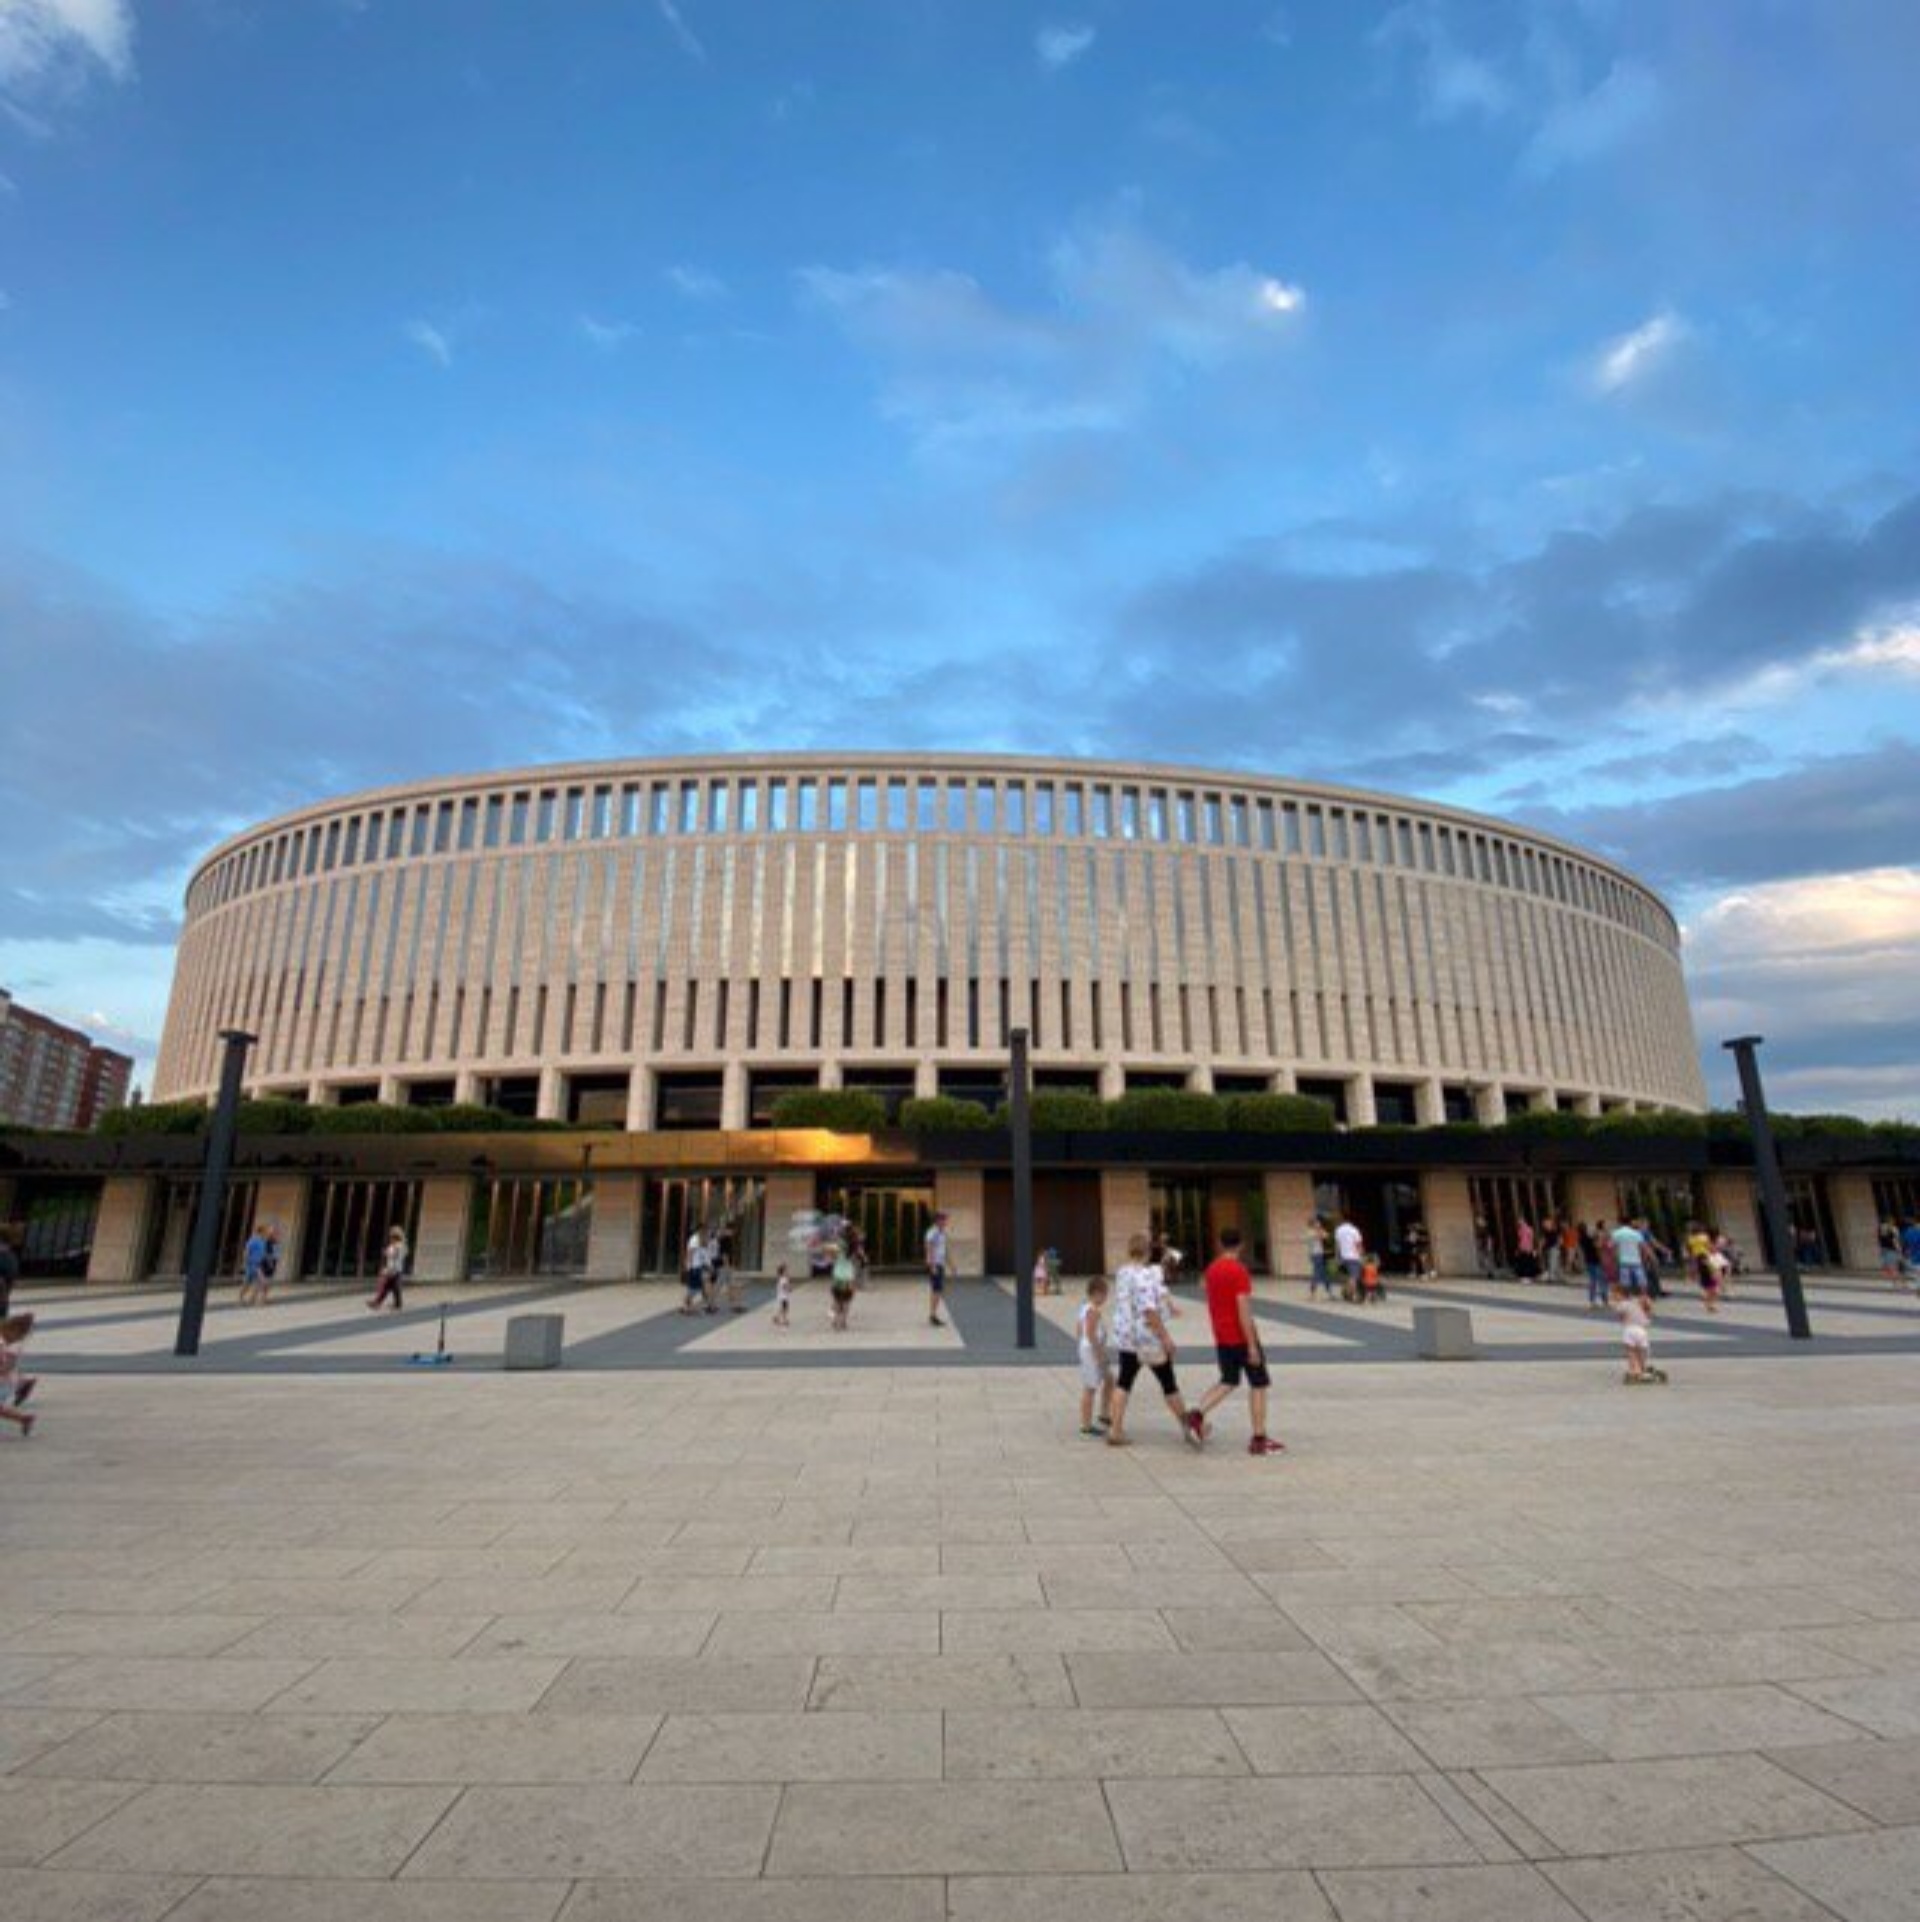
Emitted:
pixel 723 1622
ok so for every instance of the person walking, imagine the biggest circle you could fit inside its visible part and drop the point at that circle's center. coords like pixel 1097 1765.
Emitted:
pixel 253 1269
pixel 1589 1246
pixel 782 1297
pixel 15 1383
pixel 1319 1250
pixel 1351 1246
pixel 9 1271
pixel 1630 1257
pixel 393 1270
pixel 696 1277
pixel 1909 1248
pixel 1141 1340
pixel 1096 1376
pixel 1237 1345
pixel 936 1269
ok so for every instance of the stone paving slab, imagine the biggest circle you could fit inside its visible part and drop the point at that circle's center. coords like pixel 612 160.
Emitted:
pixel 854 1641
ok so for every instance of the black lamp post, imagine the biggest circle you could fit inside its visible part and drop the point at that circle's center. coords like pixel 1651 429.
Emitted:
pixel 203 1246
pixel 1773 1190
pixel 1020 1122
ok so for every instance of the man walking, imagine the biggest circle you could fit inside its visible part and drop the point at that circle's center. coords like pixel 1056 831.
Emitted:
pixel 1236 1340
pixel 1630 1250
pixel 1351 1246
pixel 936 1269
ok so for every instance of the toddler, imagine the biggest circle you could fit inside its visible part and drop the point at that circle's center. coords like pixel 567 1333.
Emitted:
pixel 15 1384
pixel 1636 1319
pixel 1096 1387
pixel 782 1297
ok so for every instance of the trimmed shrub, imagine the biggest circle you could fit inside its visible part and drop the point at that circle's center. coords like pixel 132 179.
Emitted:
pixel 155 1118
pixel 943 1114
pixel 1899 1134
pixel 1168 1111
pixel 1663 1124
pixel 1061 1111
pixel 1548 1124
pixel 372 1118
pixel 1279 1114
pixel 844 1111
pixel 275 1117
pixel 475 1118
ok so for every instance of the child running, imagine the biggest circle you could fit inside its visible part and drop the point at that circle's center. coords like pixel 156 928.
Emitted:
pixel 1096 1378
pixel 15 1384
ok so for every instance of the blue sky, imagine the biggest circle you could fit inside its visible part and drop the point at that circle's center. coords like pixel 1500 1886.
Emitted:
pixel 1514 404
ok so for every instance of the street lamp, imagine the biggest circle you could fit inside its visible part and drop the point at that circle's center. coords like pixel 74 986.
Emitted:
pixel 1773 1190
pixel 204 1247
pixel 1020 1124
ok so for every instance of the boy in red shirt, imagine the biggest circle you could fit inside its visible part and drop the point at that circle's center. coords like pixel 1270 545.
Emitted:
pixel 1237 1339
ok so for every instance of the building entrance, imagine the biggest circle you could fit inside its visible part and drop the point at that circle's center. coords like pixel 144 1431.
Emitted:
pixel 1383 1208
pixel 891 1218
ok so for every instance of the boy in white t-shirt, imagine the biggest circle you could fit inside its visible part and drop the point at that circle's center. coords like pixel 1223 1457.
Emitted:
pixel 782 1297
pixel 1096 1377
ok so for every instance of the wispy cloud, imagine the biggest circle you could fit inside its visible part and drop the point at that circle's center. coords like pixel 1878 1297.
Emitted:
pixel 1126 313
pixel 1630 359
pixel 39 39
pixel 1454 80
pixel 434 342
pixel 690 43
pixel 1583 126
pixel 607 335
pixel 695 283
pixel 1059 45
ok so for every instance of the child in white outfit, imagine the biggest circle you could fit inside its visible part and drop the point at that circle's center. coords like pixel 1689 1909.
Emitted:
pixel 782 1297
pixel 1636 1320
pixel 1096 1384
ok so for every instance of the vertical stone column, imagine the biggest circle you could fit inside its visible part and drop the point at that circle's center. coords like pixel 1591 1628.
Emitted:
pixel 1124 1206
pixel 553 1092
pixel 1289 1203
pixel 1490 1105
pixel 640 1101
pixel 1733 1206
pixel 1430 1111
pixel 926 1078
pixel 1446 1203
pixel 282 1200
pixel 831 1075
pixel 1201 1078
pixel 613 1242
pixel 120 1228
pixel 962 1194
pixel 440 1241
pixel 733 1096
pixel 1857 1221
pixel 1592 1198
pixel 1361 1111
pixel 790 1192
pixel 467 1090
pixel 1113 1081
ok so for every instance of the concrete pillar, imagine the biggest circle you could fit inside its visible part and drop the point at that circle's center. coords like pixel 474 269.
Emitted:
pixel 1286 1081
pixel 1200 1080
pixel 1113 1081
pixel 1361 1112
pixel 467 1088
pixel 282 1200
pixel 120 1229
pixel 640 1101
pixel 1446 1205
pixel 1733 1207
pixel 613 1242
pixel 321 1095
pixel 733 1096
pixel 392 1093
pixel 831 1075
pixel 926 1079
pixel 1125 1205
pixel 1490 1105
pixel 1289 1203
pixel 1590 1104
pixel 553 1094
pixel 1857 1221
pixel 1430 1111
pixel 961 1193
pixel 1592 1198
pixel 440 1240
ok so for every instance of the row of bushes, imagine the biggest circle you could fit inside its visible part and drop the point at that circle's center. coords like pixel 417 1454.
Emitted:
pixel 302 1118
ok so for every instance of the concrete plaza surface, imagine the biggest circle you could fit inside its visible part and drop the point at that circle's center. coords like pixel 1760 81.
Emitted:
pixel 861 1631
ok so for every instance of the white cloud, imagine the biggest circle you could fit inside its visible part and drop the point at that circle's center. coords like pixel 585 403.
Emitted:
pixel 1059 46
pixel 432 341
pixel 607 335
pixel 695 283
pixel 1125 315
pixel 41 40
pixel 676 25
pixel 1631 358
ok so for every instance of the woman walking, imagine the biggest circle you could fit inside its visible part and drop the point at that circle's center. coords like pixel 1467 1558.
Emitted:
pixel 393 1270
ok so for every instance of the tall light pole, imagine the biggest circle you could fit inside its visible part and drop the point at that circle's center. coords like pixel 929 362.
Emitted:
pixel 1020 1121
pixel 1773 1190
pixel 204 1245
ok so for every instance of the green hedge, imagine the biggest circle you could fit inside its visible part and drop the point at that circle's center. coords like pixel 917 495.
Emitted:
pixel 374 1118
pixel 943 1114
pixel 1061 1111
pixel 280 1116
pixel 1169 1111
pixel 155 1118
pixel 1279 1114
pixel 846 1111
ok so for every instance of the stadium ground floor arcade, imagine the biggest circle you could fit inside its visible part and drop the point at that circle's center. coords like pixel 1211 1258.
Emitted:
pixel 618 1207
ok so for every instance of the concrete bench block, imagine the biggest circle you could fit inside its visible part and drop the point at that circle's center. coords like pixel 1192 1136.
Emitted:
pixel 533 1341
pixel 1442 1334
